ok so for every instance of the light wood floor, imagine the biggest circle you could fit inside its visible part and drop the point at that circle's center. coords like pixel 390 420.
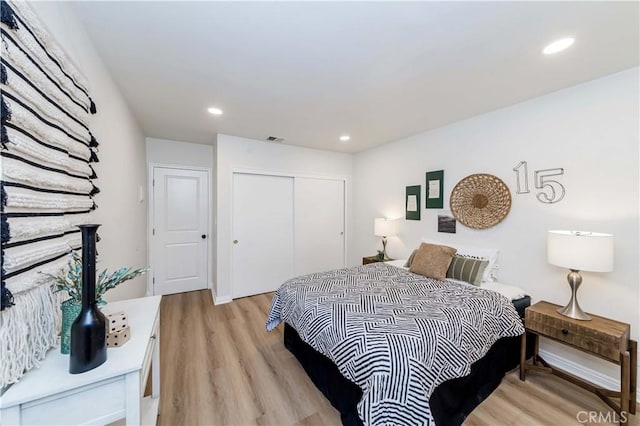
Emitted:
pixel 220 366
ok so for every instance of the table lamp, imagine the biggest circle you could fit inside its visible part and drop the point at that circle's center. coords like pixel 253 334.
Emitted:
pixel 384 228
pixel 579 251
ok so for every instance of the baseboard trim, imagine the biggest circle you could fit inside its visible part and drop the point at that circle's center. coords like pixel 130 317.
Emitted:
pixel 222 300
pixel 218 300
pixel 581 371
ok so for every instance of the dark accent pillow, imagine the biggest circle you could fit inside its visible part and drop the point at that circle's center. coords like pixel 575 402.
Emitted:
pixel 410 259
pixel 467 269
pixel 432 261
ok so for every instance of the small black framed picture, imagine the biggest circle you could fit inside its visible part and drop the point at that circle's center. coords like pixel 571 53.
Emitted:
pixel 446 222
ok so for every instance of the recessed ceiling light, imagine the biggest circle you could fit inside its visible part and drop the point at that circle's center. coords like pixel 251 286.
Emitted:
pixel 215 111
pixel 345 138
pixel 558 45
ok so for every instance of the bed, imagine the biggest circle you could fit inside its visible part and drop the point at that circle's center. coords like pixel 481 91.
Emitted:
pixel 387 346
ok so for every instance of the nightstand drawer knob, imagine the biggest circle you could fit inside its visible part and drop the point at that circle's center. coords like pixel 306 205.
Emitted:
pixel 565 331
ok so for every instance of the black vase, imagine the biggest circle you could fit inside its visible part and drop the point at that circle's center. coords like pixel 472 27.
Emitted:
pixel 88 331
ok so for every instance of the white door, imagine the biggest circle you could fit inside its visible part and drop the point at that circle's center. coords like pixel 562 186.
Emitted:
pixel 262 237
pixel 179 254
pixel 319 228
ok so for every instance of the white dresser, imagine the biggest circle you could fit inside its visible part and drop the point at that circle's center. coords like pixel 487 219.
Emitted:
pixel 50 395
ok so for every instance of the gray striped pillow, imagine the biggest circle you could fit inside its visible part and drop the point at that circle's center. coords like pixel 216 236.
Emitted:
pixel 467 269
pixel 410 259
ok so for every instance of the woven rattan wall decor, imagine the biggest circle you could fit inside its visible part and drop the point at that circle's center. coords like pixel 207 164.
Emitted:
pixel 47 182
pixel 480 201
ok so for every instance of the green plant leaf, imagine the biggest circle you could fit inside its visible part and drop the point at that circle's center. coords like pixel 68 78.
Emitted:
pixel 70 279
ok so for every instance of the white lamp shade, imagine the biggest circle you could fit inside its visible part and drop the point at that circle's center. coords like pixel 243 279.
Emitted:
pixel 383 227
pixel 580 251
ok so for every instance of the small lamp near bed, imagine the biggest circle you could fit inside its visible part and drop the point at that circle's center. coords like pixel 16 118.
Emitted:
pixel 383 227
pixel 579 251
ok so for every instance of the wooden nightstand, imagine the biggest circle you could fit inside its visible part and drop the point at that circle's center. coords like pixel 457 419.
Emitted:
pixel 601 337
pixel 372 259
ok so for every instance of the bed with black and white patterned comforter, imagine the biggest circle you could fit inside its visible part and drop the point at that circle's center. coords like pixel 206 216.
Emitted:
pixel 395 334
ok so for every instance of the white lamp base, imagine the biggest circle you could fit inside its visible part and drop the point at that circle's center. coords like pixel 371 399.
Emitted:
pixel 573 309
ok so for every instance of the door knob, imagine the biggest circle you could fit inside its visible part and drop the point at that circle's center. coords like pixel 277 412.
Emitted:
pixel 203 236
pixel 235 241
pixel 342 233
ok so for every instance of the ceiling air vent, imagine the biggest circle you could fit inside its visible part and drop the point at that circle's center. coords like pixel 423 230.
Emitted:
pixel 274 139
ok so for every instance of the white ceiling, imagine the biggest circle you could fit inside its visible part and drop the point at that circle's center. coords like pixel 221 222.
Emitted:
pixel 379 71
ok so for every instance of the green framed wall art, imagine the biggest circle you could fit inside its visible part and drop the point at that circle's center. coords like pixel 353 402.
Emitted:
pixel 434 189
pixel 412 203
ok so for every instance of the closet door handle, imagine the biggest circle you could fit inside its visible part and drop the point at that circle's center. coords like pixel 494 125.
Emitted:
pixel 203 236
pixel 235 241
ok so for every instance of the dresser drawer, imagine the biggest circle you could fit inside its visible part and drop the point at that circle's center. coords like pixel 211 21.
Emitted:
pixel 606 342
pixel 153 341
pixel 105 398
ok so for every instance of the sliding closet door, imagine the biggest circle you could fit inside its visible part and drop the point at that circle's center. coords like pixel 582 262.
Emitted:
pixel 262 239
pixel 319 228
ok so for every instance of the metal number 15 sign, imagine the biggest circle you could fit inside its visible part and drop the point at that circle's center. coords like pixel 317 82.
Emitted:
pixel 552 191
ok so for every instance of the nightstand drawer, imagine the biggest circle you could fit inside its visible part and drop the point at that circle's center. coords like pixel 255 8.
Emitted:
pixel 606 340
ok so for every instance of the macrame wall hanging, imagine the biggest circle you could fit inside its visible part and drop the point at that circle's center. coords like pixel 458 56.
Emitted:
pixel 46 182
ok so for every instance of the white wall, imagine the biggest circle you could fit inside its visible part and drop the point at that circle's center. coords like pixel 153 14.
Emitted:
pixel 168 152
pixel 121 170
pixel 165 152
pixel 240 153
pixel 590 130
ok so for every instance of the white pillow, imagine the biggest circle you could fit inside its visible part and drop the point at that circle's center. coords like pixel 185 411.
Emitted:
pixel 490 274
pixel 399 263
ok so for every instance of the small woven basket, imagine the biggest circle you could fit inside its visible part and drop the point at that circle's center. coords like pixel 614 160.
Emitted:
pixel 480 201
